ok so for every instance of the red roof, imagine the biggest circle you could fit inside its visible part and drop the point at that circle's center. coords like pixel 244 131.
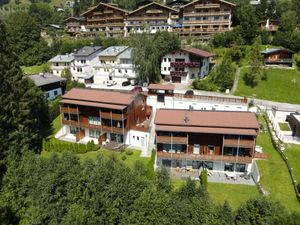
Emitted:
pixel 168 87
pixel 194 120
pixel 93 104
pixel 198 52
pixel 99 96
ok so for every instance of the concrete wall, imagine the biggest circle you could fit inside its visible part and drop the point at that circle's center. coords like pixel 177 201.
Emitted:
pixel 137 139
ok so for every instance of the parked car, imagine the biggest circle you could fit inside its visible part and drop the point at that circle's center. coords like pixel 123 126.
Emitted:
pixel 111 83
pixel 126 83
pixel 189 94
pixel 137 89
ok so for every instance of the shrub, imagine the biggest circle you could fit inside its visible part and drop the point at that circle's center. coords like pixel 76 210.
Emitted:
pixel 123 157
pixel 203 179
pixel 128 152
pixel 297 60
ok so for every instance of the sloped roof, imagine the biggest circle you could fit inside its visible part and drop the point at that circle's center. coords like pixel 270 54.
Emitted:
pixel 153 3
pixel 99 96
pixel 62 58
pixel 113 51
pixel 104 4
pixel 273 50
pixel 45 78
pixel 198 52
pixel 229 3
pixel 87 50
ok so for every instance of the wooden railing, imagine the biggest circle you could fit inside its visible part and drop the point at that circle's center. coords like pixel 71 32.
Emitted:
pixel 238 159
pixel 185 64
pixel 240 143
pixel 207 22
pixel 70 122
pixel 147 18
pixel 203 6
pixel 178 73
pixel 220 13
pixel 169 139
pixel 114 116
pixel 68 110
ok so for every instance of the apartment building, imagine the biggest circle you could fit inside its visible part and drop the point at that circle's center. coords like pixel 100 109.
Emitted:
pixel 105 19
pixel 181 65
pixel 61 62
pixel 220 141
pixel 164 96
pixel 114 64
pixel 206 17
pixel 151 18
pixel 84 60
pixel 104 117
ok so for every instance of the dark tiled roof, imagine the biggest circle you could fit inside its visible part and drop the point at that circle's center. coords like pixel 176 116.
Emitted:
pixel 198 52
pixel 87 50
pixel 45 78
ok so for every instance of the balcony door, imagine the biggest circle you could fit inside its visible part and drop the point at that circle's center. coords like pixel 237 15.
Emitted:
pixel 196 149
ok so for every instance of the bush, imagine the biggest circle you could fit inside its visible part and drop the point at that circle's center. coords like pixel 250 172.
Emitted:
pixel 297 60
pixel 123 157
pixel 61 146
pixel 203 179
pixel 204 84
pixel 54 109
pixel 128 152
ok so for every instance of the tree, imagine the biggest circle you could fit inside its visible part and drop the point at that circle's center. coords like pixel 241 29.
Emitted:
pixel 66 73
pixel 256 71
pixel 41 12
pixel 148 51
pixel 163 182
pixel 271 10
pixel 288 21
pixel 23 111
pixel 261 10
pixel 203 179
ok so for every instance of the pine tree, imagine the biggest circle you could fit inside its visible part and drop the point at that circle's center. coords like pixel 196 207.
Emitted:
pixel 23 109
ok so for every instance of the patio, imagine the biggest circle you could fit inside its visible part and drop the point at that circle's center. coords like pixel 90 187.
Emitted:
pixel 213 176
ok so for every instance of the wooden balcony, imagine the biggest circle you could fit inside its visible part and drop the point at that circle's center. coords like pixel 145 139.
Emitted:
pixel 202 31
pixel 258 155
pixel 278 61
pixel 68 110
pixel 238 159
pixel 70 122
pixel 146 18
pixel 194 14
pixel 114 116
pixel 209 22
pixel 207 6
pixel 238 143
pixel 169 139
pixel 116 130
pixel 107 18
pixel 185 64
pixel 178 73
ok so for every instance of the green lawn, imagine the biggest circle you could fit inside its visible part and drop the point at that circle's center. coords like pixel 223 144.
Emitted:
pixel 283 85
pixel 33 69
pixel 293 154
pixel 284 127
pixel 235 194
pixel 275 178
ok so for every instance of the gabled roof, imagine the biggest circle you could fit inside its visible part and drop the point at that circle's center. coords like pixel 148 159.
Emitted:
pixel 79 18
pixel 99 96
pixel 45 78
pixel 62 58
pixel 87 50
pixel 273 50
pixel 153 3
pixel 104 4
pixel 198 52
pixel 112 51
pixel 191 3
pixel 206 120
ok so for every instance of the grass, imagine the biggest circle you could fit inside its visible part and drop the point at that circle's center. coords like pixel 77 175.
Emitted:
pixel 275 178
pixel 283 85
pixel 34 69
pixel 235 194
pixel 284 127
pixel 293 154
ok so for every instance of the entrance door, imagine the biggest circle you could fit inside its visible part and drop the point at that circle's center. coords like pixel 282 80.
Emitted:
pixel 176 79
pixel 196 149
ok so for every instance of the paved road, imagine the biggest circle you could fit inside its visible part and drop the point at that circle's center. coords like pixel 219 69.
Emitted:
pixel 277 105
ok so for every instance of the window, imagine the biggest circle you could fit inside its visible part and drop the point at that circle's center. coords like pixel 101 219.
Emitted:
pixel 125 70
pixel 169 59
pixel 240 167
pixel 211 149
pixel 56 64
pixel 165 59
pixel 55 93
pixel 133 137
pixel 165 68
pixel 94 120
pixel 169 68
pixel 229 166
pixel 83 61
pixel 94 133
pixel 47 95
pixel 74 130
pixel 137 138
pixel 196 149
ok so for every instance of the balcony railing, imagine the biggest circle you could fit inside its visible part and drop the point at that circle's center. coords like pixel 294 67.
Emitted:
pixel 278 60
pixel 178 73
pixel 114 116
pixel 69 110
pixel 213 22
pixel 220 13
pixel 185 64
pixel 70 122
pixel 240 143
pixel 199 30
pixel 146 18
pixel 239 159
pixel 169 139
pixel 205 6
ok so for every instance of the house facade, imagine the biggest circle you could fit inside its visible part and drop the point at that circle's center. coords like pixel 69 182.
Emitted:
pixel 75 25
pixel 181 65
pixel 61 62
pixel 278 56
pixel 105 116
pixel 220 141
pixel 105 19
pixel 151 18
pixel 84 60
pixel 52 86
pixel 269 25
pixel 114 64
pixel 166 97
pixel 206 17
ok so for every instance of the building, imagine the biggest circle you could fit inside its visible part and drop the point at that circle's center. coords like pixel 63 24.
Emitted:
pixel 84 61
pixel 269 25
pixel 278 56
pixel 177 4
pixel 105 19
pixel 105 117
pixel 75 25
pixel 294 121
pixel 204 18
pixel 151 18
pixel 164 96
pixel 51 85
pixel 61 62
pixel 221 141
pixel 181 65
pixel 114 64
